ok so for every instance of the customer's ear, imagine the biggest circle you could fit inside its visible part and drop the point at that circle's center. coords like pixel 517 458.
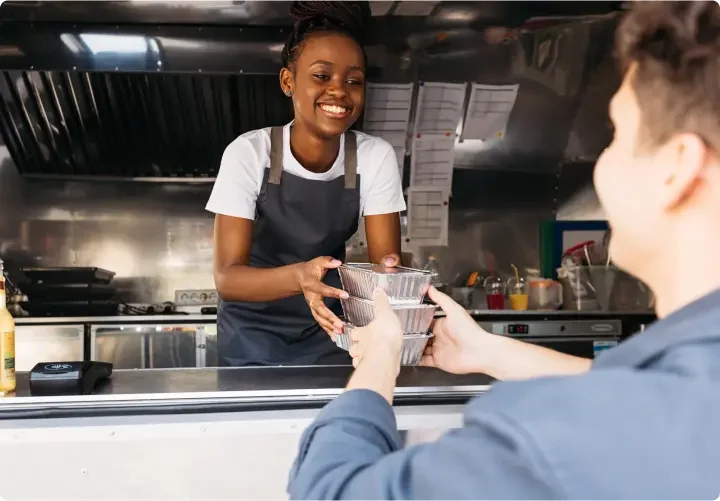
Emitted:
pixel 685 158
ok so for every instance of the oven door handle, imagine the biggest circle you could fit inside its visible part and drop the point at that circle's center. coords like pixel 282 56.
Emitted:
pixel 555 339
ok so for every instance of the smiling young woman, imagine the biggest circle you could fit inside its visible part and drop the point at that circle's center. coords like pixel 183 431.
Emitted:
pixel 288 198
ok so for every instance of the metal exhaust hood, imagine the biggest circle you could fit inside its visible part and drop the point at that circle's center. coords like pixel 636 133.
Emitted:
pixel 156 90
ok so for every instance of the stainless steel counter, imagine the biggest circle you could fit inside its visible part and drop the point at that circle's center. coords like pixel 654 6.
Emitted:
pixel 194 433
pixel 227 389
pixel 136 319
pixel 116 319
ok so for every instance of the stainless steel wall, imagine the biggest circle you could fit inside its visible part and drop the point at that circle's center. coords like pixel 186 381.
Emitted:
pixel 158 238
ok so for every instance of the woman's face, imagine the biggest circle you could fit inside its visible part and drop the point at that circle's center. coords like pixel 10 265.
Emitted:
pixel 327 84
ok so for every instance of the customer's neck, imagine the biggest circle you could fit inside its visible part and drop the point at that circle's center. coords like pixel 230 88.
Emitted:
pixel 685 281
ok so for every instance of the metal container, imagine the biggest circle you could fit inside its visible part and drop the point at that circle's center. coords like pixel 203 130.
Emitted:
pixel 343 340
pixel 413 317
pixel 412 349
pixel 606 288
pixel 402 285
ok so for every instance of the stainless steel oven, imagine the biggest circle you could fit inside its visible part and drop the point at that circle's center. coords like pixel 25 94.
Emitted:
pixel 152 345
pixel 582 338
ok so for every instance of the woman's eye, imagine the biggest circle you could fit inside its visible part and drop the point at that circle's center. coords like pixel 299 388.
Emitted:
pixel 320 76
pixel 355 82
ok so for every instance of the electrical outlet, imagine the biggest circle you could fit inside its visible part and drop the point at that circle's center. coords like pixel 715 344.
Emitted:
pixel 196 297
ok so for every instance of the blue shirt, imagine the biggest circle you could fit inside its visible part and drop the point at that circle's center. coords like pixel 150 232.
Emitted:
pixel 644 423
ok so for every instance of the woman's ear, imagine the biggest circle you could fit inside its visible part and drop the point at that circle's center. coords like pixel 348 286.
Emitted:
pixel 287 83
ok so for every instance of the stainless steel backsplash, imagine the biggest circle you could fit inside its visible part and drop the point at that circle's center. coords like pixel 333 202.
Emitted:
pixel 158 238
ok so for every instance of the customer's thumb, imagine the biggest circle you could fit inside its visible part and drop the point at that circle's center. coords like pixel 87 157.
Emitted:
pixel 442 300
pixel 381 302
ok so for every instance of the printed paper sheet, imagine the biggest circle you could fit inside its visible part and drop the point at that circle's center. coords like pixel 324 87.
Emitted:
pixel 431 162
pixel 387 112
pixel 427 216
pixel 439 108
pixel 489 111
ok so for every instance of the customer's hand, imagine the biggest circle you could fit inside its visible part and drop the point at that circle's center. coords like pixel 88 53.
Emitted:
pixel 309 278
pixel 458 342
pixel 381 340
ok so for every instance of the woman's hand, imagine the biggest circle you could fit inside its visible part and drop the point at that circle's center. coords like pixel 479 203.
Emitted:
pixel 309 278
pixel 459 341
pixel 380 340
pixel 391 260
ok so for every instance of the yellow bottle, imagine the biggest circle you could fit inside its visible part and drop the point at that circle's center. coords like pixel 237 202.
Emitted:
pixel 7 342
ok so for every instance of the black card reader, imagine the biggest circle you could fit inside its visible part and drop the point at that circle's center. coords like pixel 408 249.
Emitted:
pixel 67 378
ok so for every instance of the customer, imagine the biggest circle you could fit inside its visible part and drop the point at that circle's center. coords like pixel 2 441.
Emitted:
pixel 644 421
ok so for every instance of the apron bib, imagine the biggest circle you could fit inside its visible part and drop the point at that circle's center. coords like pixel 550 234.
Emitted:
pixel 297 220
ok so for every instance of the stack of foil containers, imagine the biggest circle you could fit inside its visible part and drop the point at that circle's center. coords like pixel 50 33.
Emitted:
pixel 405 288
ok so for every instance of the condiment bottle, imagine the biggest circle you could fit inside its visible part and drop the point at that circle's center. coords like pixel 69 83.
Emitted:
pixel 7 342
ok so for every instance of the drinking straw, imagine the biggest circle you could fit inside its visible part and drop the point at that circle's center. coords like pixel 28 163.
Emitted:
pixel 587 256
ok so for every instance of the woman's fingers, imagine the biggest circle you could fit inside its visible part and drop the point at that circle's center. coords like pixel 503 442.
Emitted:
pixel 324 317
pixel 327 316
pixel 325 325
pixel 324 290
pixel 391 260
pixel 327 262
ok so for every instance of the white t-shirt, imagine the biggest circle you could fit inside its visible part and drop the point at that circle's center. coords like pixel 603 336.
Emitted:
pixel 244 162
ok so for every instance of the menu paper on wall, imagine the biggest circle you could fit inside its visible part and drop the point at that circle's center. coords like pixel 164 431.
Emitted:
pixel 489 111
pixel 427 216
pixel 387 112
pixel 439 107
pixel 431 162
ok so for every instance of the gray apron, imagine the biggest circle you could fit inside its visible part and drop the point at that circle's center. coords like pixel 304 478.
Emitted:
pixel 296 220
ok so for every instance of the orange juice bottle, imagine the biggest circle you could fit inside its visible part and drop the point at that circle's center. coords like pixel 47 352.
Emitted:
pixel 7 342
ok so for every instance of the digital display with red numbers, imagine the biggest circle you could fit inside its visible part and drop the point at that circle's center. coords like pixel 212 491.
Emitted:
pixel 518 329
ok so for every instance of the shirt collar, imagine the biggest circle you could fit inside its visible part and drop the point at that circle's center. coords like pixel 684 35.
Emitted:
pixel 687 325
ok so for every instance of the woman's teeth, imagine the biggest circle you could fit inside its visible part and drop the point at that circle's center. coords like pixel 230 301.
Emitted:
pixel 333 109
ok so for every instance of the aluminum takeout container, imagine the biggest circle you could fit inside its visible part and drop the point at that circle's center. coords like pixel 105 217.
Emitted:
pixel 414 318
pixel 412 349
pixel 402 285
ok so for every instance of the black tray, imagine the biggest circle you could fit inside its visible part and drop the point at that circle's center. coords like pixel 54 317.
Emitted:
pixel 67 292
pixel 69 275
pixel 71 308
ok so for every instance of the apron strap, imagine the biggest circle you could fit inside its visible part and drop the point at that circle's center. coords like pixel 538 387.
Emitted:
pixel 350 160
pixel 276 155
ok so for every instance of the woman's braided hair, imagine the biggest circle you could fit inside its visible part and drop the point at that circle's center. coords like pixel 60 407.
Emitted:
pixel 347 18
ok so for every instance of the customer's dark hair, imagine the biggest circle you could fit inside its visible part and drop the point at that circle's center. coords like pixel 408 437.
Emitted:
pixel 673 50
pixel 347 18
